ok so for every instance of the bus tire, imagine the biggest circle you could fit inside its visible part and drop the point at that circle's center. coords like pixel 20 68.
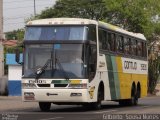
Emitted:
pixel 138 90
pixel 134 97
pixel 122 102
pixel 133 101
pixel 100 96
pixel 44 106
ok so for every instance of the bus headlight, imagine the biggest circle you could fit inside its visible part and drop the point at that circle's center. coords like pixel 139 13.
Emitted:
pixel 78 86
pixel 29 96
pixel 28 85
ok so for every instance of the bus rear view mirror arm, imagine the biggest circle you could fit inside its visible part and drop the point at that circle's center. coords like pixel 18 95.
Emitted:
pixel 17 56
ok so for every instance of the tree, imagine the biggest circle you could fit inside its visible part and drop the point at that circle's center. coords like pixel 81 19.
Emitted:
pixel 134 15
pixel 154 59
pixel 140 16
pixel 91 9
pixel 15 35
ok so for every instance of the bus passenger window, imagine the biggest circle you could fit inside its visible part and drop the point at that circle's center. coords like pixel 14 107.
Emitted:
pixel 92 62
pixel 120 44
pixel 127 45
pixel 133 47
pixel 92 33
pixel 100 36
pixel 144 50
pixel 139 48
pixel 109 38
pixel 113 38
pixel 103 40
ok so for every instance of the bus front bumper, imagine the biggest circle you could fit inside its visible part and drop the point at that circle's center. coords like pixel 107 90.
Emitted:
pixel 55 95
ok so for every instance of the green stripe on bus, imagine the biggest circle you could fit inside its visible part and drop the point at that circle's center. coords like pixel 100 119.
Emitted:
pixel 111 77
pixel 116 79
pixel 60 81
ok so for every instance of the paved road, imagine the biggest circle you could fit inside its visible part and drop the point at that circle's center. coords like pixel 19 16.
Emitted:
pixel 13 107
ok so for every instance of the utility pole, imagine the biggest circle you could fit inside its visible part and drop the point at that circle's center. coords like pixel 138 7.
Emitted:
pixel 34 7
pixel 1 39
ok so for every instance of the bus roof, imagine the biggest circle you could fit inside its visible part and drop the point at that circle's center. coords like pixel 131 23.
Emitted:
pixel 120 30
pixel 62 21
pixel 81 21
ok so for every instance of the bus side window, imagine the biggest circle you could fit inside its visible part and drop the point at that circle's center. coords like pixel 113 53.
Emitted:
pixel 103 40
pixel 120 44
pixel 92 62
pixel 100 36
pixel 126 45
pixel 113 39
pixel 92 33
pixel 139 48
pixel 133 47
pixel 109 38
pixel 144 49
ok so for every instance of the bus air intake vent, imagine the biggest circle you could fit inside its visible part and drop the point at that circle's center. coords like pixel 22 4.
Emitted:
pixel 60 85
pixel 43 85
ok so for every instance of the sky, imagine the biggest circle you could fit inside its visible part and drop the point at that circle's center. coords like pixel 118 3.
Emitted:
pixel 16 11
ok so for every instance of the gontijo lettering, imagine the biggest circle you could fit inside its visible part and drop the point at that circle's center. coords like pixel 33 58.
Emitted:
pixel 130 65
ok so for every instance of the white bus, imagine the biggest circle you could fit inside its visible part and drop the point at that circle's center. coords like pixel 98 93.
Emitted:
pixel 82 61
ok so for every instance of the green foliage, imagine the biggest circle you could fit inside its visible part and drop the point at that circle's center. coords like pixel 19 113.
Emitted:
pixel 134 15
pixel 15 35
pixel 91 9
pixel 153 70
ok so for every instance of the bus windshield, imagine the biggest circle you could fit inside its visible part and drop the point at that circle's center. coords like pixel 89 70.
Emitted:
pixel 56 33
pixel 61 60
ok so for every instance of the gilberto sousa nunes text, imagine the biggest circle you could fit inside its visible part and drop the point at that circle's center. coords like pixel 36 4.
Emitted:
pixel 131 116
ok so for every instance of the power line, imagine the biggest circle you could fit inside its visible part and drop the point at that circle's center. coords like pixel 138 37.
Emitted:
pixel 11 18
pixel 34 7
pixel 26 13
pixel 21 1
pixel 16 1
pixel 25 7
pixel 13 23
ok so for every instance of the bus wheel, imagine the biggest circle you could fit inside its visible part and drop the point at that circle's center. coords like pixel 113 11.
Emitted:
pixel 134 98
pixel 122 102
pixel 97 105
pixel 45 106
pixel 132 101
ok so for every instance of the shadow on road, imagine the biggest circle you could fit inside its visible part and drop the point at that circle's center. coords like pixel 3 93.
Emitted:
pixel 77 109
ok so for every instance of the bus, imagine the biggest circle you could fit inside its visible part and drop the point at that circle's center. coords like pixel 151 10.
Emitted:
pixel 82 62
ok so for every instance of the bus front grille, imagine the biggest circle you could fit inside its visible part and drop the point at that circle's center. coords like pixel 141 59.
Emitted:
pixel 60 85
pixel 43 85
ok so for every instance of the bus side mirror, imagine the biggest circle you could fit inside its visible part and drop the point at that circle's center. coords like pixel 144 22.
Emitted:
pixel 17 57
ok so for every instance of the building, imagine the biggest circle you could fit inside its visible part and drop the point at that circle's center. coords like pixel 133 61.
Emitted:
pixel 10 43
pixel 14 75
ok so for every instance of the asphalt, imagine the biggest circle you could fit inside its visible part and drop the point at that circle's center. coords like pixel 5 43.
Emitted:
pixel 15 109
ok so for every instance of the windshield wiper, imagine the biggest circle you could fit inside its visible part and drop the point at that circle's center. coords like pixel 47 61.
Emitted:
pixel 61 68
pixel 42 69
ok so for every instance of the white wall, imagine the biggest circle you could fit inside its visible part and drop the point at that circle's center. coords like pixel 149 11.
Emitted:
pixel 14 72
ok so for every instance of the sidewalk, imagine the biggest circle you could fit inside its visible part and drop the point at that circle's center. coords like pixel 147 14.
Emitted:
pixel 3 85
pixel 13 103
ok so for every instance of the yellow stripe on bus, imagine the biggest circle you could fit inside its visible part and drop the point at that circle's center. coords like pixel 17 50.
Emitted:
pixel 126 80
pixel 75 81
